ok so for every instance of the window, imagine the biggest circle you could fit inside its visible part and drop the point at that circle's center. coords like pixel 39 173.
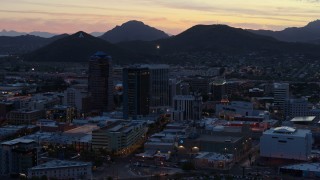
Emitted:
pixel 282 141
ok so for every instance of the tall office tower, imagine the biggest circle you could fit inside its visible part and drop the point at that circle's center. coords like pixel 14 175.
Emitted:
pixel 280 94
pixel 136 92
pixel 100 85
pixel 159 86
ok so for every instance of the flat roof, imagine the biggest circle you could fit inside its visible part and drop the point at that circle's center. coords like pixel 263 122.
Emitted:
pixel 212 156
pixel 17 141
pixel 60 164
pixel 287 131
pixel 314 167
pixel 303 119
pixel 87 129
pixel 215 138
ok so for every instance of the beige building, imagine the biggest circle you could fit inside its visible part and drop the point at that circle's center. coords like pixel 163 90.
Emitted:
pixel 119 137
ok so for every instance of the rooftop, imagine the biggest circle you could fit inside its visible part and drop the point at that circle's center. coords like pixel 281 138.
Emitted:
pixel 284 129
pixel 87 129
pixel 17 141
pixel 313 167
pixel 287 131
pixel 60 164
pixel 215 138
pixel 211 156
pixel 303 119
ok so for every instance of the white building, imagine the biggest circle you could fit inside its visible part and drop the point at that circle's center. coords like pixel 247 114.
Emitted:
pixel 62 170
pixel 74 95
pixel 235 108
pixel 187 107
pixel 281 94
pixel 286 142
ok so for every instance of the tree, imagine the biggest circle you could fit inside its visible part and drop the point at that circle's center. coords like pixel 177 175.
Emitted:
pixel 44 177
pixel 188 166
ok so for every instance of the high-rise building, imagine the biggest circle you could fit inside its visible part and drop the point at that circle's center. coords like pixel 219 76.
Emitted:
pixel 159 86
pixel 281 94
pixel 100 85
pixel 75 97
pixel 136 92
pixel 187 107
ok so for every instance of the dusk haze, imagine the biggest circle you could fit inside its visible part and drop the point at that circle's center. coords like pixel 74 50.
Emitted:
pixel 171 16
pixel 159 89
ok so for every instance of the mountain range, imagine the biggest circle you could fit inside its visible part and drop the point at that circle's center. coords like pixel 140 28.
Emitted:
pixel 200 38
pixel 12 33
pixel 218 39
pixel 24 43
pixel 79 47
pixel 309 33
pixel 133 30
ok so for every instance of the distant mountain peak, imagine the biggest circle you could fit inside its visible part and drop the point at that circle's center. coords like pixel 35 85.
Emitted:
pixel 133 30
pixel 308 33
pixel 133 22
pixel 314 24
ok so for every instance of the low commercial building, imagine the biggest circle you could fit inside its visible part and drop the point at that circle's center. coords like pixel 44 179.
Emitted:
pixel 209 160
pixel 307 170
pixel 119 137
pixel 236 145
pixel 62 170
pixel 24 116
pixel 235 108
pixel 287 143
pixel 62 113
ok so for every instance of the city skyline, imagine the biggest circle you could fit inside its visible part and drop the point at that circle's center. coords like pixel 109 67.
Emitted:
pixel 172 17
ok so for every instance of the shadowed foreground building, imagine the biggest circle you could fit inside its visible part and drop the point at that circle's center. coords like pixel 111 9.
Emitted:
pixel 62 170
pixel 17 155
pixel 136 92
pixel 100 85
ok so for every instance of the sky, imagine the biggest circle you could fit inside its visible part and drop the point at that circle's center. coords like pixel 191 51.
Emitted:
pixel 171 16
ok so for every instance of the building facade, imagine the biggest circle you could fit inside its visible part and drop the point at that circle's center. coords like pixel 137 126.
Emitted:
pixel 75 97
pixel 24 116
pixel 281 94
pixel 187 107
pixel 120 137
pixel 159 86
pixel 286 143
pixel 16 156
pixel 59 169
